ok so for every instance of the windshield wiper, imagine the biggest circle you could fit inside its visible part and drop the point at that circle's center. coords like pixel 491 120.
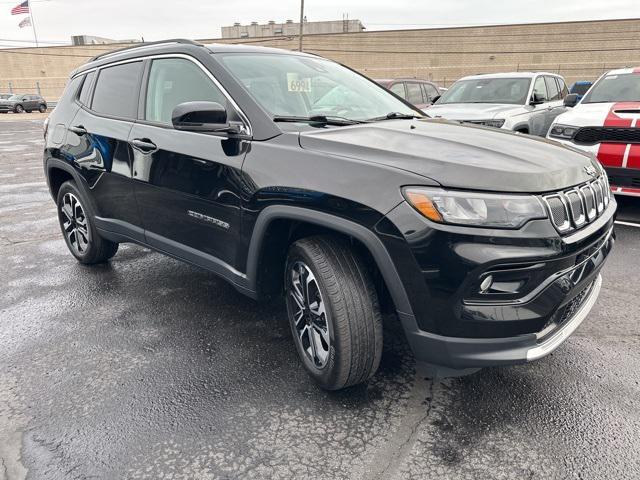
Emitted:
pixel 394 116
pixel 323 119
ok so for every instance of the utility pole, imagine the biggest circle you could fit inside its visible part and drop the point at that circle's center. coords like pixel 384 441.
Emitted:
pixel 301 25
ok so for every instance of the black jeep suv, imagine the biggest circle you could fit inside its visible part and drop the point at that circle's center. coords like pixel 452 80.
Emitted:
pixel 287 173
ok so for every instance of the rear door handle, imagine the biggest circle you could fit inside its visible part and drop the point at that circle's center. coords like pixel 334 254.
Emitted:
pixel 78 130
pixel 144 145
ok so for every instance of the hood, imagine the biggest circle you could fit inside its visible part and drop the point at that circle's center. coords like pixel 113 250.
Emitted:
pixel 457 156
pixel 473 111
pixel 599 114
pixel 7 102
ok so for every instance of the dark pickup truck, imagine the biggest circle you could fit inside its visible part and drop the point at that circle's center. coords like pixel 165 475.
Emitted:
pixel 290 175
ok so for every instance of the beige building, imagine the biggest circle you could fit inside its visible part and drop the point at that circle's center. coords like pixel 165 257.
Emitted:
pixel 576 50
pixel 289 27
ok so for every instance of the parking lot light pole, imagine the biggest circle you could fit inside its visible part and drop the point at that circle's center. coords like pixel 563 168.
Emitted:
pixel 301 25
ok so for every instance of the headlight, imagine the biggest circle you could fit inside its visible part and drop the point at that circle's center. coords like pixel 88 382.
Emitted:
pixel 474 209
pixel 498 123
pixel 566 132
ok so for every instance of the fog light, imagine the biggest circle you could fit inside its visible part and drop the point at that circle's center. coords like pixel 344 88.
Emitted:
pixel 486 284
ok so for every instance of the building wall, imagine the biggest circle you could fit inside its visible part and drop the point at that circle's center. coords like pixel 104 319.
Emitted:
pixel 576 50
pixel 290 27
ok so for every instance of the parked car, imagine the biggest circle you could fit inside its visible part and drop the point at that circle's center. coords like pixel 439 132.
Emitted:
pixel 580 88
pixel 605 123
pixel 520 101
pixel 420 93
pixel 343 201
pixel 23 103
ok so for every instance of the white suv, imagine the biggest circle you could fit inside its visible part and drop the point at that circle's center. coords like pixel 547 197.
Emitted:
pixel 525 102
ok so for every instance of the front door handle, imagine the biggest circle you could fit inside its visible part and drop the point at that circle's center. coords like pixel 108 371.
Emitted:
pixel 144 145
pixel 78 130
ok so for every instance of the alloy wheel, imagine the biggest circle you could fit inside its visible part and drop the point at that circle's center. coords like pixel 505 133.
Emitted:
pixel 309 315
pixel 75 223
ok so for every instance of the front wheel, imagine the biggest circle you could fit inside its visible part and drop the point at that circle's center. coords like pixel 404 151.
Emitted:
pixel 76 223
pixel 333 312
pixel 42 108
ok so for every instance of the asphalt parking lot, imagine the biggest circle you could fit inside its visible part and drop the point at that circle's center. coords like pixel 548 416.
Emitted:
pixel 150 368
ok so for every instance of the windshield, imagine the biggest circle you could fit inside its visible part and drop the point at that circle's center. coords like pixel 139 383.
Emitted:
pixel 15 97
pixel 615 88
pixel 291 85
pixel 488 90
pixel 580 88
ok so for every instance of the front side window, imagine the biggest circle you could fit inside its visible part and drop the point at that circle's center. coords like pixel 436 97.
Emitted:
pixel 173 81
pixel 301 86
pixel 552 89
pixel 414 93
pixel 116 91
pixel 540 89
pixel 431 91
pixel 615 88
pixel 488 90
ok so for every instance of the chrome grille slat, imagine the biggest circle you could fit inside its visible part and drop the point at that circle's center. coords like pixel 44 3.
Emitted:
pixel 574 208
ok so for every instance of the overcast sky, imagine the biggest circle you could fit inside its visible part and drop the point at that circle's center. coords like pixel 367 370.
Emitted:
pixel 57 20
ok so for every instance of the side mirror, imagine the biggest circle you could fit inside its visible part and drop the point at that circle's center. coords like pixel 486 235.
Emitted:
pixel 436 98
pixel 536 99
pixel 571 100
pixel 201 117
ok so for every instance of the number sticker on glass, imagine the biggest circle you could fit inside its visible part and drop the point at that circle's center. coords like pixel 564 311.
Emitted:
pixel 297 84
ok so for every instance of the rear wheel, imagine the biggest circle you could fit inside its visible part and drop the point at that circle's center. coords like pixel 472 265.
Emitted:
pixel 76 223
pixel 18 109
pixel 333 312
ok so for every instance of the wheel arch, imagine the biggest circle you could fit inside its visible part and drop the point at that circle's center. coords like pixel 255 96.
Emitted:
pixel 275 223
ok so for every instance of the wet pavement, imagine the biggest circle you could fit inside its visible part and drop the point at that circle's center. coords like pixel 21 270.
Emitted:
pixel 150 368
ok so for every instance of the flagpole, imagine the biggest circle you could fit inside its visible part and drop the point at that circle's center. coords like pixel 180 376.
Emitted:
pixel 33 24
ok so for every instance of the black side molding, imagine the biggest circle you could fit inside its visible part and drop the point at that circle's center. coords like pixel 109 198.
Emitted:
pixel 342 225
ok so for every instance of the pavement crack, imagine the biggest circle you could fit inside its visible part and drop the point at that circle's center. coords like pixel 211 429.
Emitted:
pixel 394 452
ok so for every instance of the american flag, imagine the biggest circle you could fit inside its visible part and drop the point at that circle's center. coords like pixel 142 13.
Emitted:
pixel 19 9
pixel 26 22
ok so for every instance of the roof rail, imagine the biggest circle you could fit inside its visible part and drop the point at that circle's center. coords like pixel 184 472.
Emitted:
pixel 146 44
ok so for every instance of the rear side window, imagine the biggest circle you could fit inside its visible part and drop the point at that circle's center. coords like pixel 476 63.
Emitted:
pixel 398 89
pixel 116 91
pixel 414 93
pixel 86 88
pixel 173 81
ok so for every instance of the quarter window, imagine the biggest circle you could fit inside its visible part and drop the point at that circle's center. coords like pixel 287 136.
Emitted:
pixel 173 81
pixel 116 91
pixel 398 89
pixel 86 88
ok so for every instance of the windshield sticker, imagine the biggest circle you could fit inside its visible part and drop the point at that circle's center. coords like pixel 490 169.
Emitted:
pixel 297 84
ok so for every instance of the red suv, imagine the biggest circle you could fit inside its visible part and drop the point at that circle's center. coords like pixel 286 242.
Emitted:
pixel 420 93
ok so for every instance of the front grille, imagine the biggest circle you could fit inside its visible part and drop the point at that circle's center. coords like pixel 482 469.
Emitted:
pixel 593 135
pixel 570 309
pixel 572 209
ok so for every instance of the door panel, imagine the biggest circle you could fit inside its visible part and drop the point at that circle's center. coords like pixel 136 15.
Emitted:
pixel 190 190
pixel 104 158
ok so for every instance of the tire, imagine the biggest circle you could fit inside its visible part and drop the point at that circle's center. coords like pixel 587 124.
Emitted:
pixel 76 222
pixel 28 111
pixel 340 306
pixel 42 108
pixel 18 109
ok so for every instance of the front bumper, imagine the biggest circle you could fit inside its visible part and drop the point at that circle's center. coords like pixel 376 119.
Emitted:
pixel 451 326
